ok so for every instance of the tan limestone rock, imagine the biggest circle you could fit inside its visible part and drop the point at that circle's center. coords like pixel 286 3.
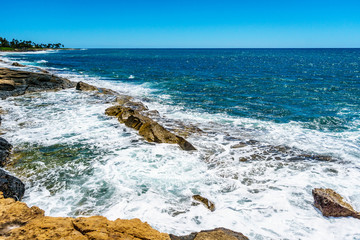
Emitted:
pixel 331 204
pixel 208 204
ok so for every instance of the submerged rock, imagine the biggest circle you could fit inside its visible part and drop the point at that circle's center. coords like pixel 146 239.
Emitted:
pixel 18 221
pixel 11 186
pixel 214 234
pixel 208 204
pixel 16 82
pixel 331 204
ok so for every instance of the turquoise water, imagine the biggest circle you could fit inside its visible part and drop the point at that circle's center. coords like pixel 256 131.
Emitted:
pixel 295 113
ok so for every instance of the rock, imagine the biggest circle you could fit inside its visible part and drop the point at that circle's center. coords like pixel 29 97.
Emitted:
pixel 15 214
pixel 85 87
pixel 186 130
pixel 208 204
pixel 118 229
pixel 7 85
pixel 5 149
pixel 18 221
pixel 22 82
pixel 122 99
pixel 42 70
pixel 11 186
pixel 16 64
pixel 81 86
pixel 148 128
pixel 185 145
pixel 316 157
pixel 214 234
pixel 138 106
pixel 331 204
pixel 46 228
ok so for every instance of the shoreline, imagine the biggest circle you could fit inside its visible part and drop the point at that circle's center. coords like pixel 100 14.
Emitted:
pixel 30 220
pixel 15 50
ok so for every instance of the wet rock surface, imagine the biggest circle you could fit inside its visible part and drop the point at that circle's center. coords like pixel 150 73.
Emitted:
pixel 11 186
pixel 214 234
pixel 5 149
pixel 16 82
pixel 206 202
pixel 252 150
pixel 81 86
pixel 148 128
pixel 18 221
pixel 331 204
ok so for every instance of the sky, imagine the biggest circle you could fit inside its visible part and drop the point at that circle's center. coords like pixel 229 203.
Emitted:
pixel 184 24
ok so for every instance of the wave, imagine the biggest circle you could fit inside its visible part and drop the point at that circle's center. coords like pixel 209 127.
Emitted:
pixel 41 61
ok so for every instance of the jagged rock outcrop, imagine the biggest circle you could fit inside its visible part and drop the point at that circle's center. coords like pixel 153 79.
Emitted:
pixel 81 86
pixel 16 82
pixel 214 234
pixel 331 204
pixel 5 149
pixel 206 202
pixel 148 128
pixel 18 221
pixel 11 186
pixel 15 214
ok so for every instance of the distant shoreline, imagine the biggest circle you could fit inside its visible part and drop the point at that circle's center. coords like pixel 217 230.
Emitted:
pixel 3 49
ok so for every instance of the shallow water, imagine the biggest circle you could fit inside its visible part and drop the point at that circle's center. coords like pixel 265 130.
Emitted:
pixel 296 104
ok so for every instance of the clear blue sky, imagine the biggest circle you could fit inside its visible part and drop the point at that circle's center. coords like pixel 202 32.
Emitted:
pixel 221 23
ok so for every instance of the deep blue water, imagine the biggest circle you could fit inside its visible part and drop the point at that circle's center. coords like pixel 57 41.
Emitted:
pixel 318 87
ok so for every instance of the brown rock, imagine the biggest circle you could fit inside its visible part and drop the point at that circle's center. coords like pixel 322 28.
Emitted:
pixel 98 227
pixel 16 64
pixel 18 221
pixel 208 204
pixel 148 128
pixel 7 85
pixel 239 145
pixel 85 87
pixel 185 145
pixel 14 212
pixel 331 204
pixel 81 86
pixel 186 130
pixel 47 228
pixel 122 99
pixel 215 234
pixel 26 82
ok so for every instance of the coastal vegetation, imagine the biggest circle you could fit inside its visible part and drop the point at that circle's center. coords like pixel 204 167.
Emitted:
pixel 14 44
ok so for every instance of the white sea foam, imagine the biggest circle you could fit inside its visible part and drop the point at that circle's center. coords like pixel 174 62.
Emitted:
pixel 122 176
pixel 41 61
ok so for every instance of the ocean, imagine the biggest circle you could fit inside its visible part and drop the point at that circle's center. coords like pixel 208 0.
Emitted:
pixel 275 123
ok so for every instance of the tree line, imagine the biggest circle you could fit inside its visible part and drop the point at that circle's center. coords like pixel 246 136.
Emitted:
pixel 21 44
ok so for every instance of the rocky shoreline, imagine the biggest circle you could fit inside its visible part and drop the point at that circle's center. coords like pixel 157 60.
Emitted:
pixel 18 221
